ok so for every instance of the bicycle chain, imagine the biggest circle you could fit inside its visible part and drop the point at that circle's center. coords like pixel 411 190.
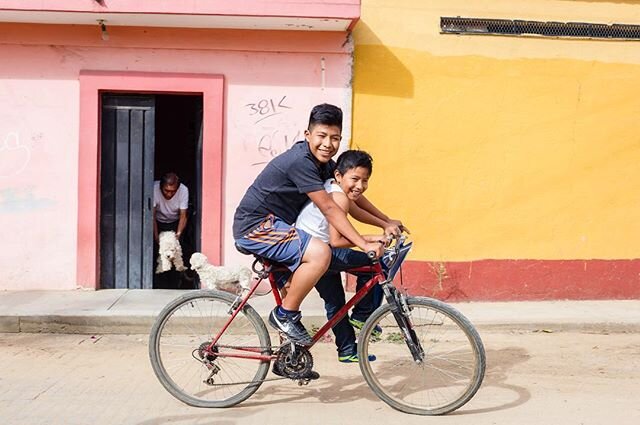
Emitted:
pixel 240 347
pixel 248 382
pixel 282 352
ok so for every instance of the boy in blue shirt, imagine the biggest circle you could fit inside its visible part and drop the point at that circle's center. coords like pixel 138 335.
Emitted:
pixel 263 221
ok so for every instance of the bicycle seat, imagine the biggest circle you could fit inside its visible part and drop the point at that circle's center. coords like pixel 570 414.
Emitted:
pixel 241 250
pixel 275 265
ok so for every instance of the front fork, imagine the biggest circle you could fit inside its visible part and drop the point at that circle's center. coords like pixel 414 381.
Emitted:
pixel 401 312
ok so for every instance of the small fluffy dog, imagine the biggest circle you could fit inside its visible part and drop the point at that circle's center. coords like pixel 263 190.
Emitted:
pixel 231 279
pixel 170 253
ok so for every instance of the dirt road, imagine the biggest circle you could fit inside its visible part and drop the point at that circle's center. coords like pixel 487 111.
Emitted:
pixel 532 378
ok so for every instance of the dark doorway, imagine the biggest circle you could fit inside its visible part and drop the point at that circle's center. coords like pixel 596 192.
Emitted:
pixel 143 137
pixel 179 150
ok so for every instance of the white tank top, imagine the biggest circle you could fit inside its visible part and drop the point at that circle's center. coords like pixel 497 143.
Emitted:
pixel 311 219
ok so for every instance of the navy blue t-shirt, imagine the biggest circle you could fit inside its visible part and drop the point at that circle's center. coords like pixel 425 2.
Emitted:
pixel 281 188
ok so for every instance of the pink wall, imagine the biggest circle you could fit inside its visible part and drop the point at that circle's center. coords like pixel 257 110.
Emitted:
pixel 266 100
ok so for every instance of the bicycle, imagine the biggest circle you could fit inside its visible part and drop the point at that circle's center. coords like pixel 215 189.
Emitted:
pixel 212 349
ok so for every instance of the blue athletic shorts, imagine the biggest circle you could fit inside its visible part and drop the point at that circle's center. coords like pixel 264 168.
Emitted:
pixel 277 241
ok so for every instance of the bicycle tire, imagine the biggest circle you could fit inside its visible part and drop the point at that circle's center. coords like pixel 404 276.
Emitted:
pixel 192 320
pixel 449 342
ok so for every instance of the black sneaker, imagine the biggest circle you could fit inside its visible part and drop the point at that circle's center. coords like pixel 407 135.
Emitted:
pixel 291 327
pixel 312 375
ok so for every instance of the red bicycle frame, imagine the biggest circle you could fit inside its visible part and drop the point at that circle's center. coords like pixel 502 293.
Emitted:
pixel 375 270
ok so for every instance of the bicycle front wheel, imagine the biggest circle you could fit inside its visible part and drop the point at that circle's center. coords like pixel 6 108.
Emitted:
pixel 449 374
pixel 177 349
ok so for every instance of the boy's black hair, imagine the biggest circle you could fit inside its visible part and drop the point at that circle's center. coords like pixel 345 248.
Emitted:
pixel 353 159
pixel 325 114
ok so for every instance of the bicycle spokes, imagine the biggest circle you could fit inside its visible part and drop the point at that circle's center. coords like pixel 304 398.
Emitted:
pixel 441 369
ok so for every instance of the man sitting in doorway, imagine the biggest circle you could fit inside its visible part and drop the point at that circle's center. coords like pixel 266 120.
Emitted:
pixel 170 203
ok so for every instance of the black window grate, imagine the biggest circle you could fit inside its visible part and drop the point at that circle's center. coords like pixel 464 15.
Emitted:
pixel 450 25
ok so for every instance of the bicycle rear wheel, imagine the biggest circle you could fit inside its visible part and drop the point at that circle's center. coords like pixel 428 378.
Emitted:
pixel 450 373
pixel 185 327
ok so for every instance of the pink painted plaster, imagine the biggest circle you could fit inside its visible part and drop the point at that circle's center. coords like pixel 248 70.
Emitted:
pixel 177 38
pixel 51 100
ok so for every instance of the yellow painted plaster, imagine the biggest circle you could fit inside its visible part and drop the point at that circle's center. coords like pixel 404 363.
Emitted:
pixel 501 147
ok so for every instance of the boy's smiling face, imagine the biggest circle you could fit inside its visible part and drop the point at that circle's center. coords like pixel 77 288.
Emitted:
pixel 324 141
pixel 353 182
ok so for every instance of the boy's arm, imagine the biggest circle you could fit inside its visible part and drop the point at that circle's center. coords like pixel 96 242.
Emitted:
pixel 338 219
pixel 365 212
pixel 365 217
pixel 336 239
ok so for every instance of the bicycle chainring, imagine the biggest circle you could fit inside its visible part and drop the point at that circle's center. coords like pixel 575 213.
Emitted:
pixel 294 364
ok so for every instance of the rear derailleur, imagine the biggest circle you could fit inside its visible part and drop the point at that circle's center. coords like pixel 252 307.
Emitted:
pixel 207 357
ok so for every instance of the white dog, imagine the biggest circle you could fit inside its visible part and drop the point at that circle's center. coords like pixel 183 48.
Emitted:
pixel 230 279
pixel 170 252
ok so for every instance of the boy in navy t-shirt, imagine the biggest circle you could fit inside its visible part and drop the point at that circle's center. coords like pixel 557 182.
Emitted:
pixel 263 222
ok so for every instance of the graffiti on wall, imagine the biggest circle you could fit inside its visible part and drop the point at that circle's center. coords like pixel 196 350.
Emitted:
pixel 14 155
pixel 267 108
pixel 273 131
pixel 273 144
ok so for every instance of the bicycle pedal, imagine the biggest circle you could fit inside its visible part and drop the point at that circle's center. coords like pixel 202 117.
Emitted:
pixel 284 340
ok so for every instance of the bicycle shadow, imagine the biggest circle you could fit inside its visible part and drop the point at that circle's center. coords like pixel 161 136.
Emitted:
pixel 330 388
pixel 499 363
pixel 344 388
pixel 344 384
pixel 200 419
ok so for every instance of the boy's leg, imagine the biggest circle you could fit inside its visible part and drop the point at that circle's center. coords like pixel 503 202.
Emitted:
pixel 369 303
pixel 330 288
pixel 314 264
pixel 306 257
pixel 286 318
pixel 343 259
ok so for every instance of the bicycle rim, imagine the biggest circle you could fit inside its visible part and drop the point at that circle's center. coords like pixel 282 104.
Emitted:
pixel 189 323
pixel 453 365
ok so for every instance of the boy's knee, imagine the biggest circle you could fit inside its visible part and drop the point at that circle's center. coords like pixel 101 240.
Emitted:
pixel 325 255
pixel 318 253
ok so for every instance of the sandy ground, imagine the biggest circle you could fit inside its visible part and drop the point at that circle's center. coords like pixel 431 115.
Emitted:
pixel 532 378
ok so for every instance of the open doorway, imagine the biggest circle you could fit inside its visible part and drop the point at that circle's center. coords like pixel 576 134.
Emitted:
pixel 144 136
pixel 178 149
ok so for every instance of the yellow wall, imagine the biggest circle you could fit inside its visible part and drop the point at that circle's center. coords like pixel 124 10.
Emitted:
pixel 501 147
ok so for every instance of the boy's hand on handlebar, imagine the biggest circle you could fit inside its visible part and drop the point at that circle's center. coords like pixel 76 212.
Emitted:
pixel 394 228
pixel 376 247
pixel 377 238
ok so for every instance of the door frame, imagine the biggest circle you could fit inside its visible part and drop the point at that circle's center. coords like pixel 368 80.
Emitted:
pixel 92 84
